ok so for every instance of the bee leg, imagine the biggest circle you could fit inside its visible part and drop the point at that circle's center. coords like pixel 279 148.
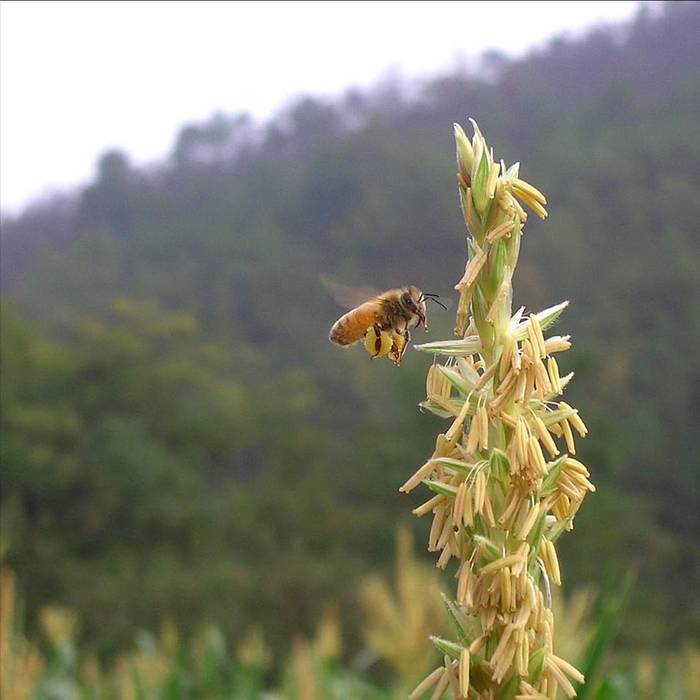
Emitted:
pixel 378 339
pixel 407 339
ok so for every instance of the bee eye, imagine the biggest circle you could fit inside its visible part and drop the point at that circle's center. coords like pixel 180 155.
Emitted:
pixel 407 299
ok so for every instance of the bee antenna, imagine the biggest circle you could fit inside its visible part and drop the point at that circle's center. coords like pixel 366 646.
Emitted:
pixel 432 298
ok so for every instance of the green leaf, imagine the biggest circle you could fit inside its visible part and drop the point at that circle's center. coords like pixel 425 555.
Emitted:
pixel 619 685
pixel 435 409
pixel 606 630
pixel 444 489
pixel 552 475
pixel 556 530
pixel 546 319
pixel 509 690
pixel 498 266
pixel 491 644
pixel 536 665
pixel 465 152
pixel 479 195
pixel 610 690
pixel 499 464
pixel 454 619
pixel 447 647
pixel 513 244
pixel 455 464
pixel 536 538
pixel 467 346
pixel 491 551
pixel 458 381
pixel 552 417
pixel 481 308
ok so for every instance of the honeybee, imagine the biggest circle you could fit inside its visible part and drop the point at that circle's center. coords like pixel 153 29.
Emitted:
pixel 384 322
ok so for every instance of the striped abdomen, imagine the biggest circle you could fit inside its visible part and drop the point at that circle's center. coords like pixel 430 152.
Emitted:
pixel 353 325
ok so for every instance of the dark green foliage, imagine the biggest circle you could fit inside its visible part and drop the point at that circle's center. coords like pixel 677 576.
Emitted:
pixel 608 621
pixel 189 444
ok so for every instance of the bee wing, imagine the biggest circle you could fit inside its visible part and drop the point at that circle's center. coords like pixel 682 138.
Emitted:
pixel 348 296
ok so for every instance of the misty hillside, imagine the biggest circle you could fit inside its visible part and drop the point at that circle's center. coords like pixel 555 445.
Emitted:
pixel 171 401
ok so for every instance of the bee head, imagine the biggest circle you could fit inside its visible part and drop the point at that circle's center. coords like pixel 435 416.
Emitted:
pixel 413 300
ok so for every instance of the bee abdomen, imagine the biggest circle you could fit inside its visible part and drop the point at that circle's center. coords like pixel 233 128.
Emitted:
pixel 336 335
pixel 344 332
pixel 352 326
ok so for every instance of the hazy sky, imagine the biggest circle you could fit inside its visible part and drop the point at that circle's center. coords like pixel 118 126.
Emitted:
pixel 80 77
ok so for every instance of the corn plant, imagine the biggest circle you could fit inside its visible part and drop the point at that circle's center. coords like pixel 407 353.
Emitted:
pixel 506 484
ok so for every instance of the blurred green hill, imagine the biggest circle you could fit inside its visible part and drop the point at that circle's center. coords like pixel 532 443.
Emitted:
pixel 181 440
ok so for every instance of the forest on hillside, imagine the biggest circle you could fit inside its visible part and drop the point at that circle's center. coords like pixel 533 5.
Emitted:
pixel 181 441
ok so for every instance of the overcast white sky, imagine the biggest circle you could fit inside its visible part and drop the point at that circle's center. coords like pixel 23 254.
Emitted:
pixel 80 77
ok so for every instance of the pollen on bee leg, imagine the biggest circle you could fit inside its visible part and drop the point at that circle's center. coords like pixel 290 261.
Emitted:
pixel 398 347
pixel 377 344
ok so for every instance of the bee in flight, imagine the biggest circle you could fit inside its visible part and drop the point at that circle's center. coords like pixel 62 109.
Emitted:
pixel 384 321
